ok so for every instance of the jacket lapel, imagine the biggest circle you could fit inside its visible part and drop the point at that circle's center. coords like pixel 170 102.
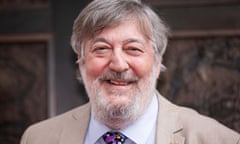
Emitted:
pixel 168 126
pixel 74 131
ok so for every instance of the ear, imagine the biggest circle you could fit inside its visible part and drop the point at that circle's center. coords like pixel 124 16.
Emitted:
pixel 78 59
pixel 79 76
pixel 159 66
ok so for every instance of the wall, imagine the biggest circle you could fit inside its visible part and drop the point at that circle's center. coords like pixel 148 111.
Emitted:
pixel 25 33
pixel 38 70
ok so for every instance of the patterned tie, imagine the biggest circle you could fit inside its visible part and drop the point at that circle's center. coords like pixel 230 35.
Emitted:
pixel 114 138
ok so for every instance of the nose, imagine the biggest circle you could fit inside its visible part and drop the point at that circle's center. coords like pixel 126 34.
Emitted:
pixel 118 62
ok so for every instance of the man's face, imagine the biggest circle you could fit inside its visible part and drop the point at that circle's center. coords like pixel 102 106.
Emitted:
pixel 119 73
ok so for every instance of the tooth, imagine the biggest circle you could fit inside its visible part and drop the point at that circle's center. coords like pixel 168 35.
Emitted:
pixel 118 83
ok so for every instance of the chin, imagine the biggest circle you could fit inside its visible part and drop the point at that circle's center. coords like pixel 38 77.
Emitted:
pixel 117 115
pixel 119 96
pixel 118 99
pixel 117 111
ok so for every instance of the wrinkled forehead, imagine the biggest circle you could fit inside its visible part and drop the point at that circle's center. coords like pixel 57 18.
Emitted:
pixel 142 25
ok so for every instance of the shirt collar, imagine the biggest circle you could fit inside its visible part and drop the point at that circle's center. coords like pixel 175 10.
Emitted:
pixel 139 131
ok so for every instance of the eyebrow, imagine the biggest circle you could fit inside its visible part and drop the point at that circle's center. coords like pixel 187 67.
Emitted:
pixel 130 40
pixel 99 39
pixel 133 40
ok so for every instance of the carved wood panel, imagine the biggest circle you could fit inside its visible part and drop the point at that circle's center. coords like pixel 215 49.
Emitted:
pixel 23 88
pixel 204 73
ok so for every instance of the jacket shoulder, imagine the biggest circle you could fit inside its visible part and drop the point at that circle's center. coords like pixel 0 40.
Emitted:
pixel 198 128
pixel 50 129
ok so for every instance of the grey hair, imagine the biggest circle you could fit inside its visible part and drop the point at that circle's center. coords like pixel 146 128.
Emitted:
pixel 100 14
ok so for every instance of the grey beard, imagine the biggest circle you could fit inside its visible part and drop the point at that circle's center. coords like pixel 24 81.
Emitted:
pixel 118 116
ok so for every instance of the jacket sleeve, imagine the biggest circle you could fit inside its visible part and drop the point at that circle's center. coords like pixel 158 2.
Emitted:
pixel 24 138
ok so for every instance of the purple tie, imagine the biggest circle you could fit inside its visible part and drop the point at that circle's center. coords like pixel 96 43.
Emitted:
pixel 114 138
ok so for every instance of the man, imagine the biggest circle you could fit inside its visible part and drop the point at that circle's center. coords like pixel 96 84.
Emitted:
pixel 120 44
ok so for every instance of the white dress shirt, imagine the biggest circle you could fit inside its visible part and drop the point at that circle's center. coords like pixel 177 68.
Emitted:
pixel 141 131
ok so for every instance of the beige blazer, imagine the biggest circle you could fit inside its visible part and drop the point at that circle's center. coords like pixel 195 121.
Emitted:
pixel 176 125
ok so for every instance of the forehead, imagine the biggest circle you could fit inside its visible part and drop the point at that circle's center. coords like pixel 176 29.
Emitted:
pixel 127 28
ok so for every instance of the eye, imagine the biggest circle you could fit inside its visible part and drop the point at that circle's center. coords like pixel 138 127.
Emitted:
pixel 101 50
pixel 135 51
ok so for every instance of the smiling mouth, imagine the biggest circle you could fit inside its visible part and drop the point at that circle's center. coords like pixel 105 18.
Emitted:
pixel 120 82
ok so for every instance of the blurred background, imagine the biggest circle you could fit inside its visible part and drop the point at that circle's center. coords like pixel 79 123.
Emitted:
pixel 38 70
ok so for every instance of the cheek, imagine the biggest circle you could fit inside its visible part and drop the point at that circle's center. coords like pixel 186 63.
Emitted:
pixel 95 67
pixel 142 67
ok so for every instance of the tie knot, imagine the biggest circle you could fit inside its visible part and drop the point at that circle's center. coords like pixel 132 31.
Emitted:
pixel 113 137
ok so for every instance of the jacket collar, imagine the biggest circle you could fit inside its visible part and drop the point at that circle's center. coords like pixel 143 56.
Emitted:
pixel 169 127
pixel 74 131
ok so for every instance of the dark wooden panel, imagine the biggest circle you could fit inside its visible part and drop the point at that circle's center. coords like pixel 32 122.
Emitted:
pixel 202 18
pixel 23 88
pixel 204 73
pixel 20 4
pixel 190 2
pixel 25 21
pixel 69 93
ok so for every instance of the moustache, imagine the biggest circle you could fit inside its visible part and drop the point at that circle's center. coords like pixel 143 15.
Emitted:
pixel 125 76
